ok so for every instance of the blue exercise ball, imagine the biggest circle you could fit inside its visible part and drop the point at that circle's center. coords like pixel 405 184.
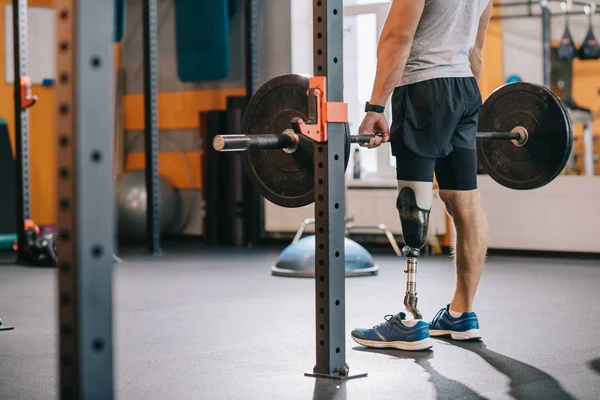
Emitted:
pixel 298 259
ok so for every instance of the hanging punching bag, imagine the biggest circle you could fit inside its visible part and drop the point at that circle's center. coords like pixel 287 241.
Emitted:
pixel 590 49
pixel 566 50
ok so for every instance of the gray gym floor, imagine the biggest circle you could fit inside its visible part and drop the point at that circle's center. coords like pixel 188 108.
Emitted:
pixel 217 325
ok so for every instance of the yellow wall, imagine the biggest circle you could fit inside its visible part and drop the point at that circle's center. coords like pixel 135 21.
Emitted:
pixel 41 135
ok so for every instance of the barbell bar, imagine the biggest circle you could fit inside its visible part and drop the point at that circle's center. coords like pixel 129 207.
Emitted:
pixel 525 139
pixel 289 140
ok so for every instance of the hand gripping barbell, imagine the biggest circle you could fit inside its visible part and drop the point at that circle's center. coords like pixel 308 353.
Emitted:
pixel 525 140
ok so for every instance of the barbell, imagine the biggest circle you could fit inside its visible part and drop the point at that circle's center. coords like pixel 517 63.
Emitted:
pixel 524 142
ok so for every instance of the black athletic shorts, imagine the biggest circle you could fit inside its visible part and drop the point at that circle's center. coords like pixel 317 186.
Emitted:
pixel 434 127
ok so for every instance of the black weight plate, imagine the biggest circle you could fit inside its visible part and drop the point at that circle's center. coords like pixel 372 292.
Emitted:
pixel 550 141
pixel 282 178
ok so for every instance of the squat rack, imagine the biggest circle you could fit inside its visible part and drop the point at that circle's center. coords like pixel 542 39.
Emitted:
pixel 86 188
pixel 22 101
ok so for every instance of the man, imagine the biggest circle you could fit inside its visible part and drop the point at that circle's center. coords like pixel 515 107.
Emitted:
pixel 429 61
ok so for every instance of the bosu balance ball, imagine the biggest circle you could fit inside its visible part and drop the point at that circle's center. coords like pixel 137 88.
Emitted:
pixel 132 206
pixel 298 259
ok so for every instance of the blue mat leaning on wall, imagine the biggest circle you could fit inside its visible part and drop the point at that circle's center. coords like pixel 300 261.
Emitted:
pixel 202 39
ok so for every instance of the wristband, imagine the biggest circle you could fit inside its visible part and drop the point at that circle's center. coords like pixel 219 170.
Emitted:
pixel 374 108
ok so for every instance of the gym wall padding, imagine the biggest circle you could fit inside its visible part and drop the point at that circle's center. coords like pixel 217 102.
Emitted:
pixel 8 197
pixel 120 10
pixel 202 39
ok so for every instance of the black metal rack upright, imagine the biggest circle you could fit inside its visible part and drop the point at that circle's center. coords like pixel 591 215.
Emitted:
pixel 149 18
pixel 19 10
pixel 330 324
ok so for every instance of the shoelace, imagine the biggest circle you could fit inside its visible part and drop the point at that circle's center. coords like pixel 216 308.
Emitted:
pixel 388 319
pixel 438 316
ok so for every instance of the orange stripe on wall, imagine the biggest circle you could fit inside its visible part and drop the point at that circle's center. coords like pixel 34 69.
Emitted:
pixel 177 110
pixel 181 169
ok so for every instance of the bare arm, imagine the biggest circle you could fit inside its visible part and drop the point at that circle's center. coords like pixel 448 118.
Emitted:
pixel 476 56
pixel 394 47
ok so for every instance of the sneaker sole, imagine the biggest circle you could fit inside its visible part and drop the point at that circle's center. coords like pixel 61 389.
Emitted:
pixel 410 346
pixel 471 334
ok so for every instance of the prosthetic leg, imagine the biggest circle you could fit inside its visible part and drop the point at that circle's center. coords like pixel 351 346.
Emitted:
pixel 414 205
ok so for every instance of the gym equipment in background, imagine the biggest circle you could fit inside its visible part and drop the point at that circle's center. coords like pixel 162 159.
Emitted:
pixel 566 49
pixel 5 328
pixel 525 141
pixel 590 48
pixel 8 200
pixel 132 206
pixel 198 58
pixel 298 259
pixel 120 18
pixel 40 247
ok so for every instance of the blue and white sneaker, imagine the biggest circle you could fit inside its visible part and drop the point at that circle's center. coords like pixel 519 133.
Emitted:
pixel 465 327
pixel 395 334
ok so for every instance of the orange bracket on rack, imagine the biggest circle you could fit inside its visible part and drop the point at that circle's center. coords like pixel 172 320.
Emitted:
pixel 27 99
pixel 320 112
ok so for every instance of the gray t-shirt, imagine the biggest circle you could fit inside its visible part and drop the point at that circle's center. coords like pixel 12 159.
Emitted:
pixel 443 41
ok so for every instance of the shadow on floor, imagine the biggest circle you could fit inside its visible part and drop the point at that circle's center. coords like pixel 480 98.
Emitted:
pixel 445 388
pixel 595 364
pixel 526 381
pixel 329 389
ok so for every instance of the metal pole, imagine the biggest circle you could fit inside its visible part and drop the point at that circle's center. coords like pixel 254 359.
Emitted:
pixel 254 203
pixel 546 45
pixel 85 197
pixel 329 200
pixel 149 18
pixel 19 9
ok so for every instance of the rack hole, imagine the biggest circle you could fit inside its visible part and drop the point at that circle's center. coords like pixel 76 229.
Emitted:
pixel 337 302
pixel 320 165
pixel 64 204
pixel 319 35
pixel 336 157
pixel 322 342
pixel 97 251
pixel 337 253
pixel 337 205
pixel 320 181
pixel 337 350
pixel 321 311
pixel 63 109
pixel 320 149
pixel 63 172
pixel 335 60
pixel 98 345
pixel 321 197
pixel 96 61
pixel 322 327
pixel 321 278
pixel 96 156
pixel 320 213
pixel 321 295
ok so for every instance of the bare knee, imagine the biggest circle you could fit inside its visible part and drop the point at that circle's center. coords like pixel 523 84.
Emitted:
pixel 461 205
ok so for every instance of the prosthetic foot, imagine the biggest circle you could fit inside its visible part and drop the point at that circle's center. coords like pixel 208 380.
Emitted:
pixel 414 205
